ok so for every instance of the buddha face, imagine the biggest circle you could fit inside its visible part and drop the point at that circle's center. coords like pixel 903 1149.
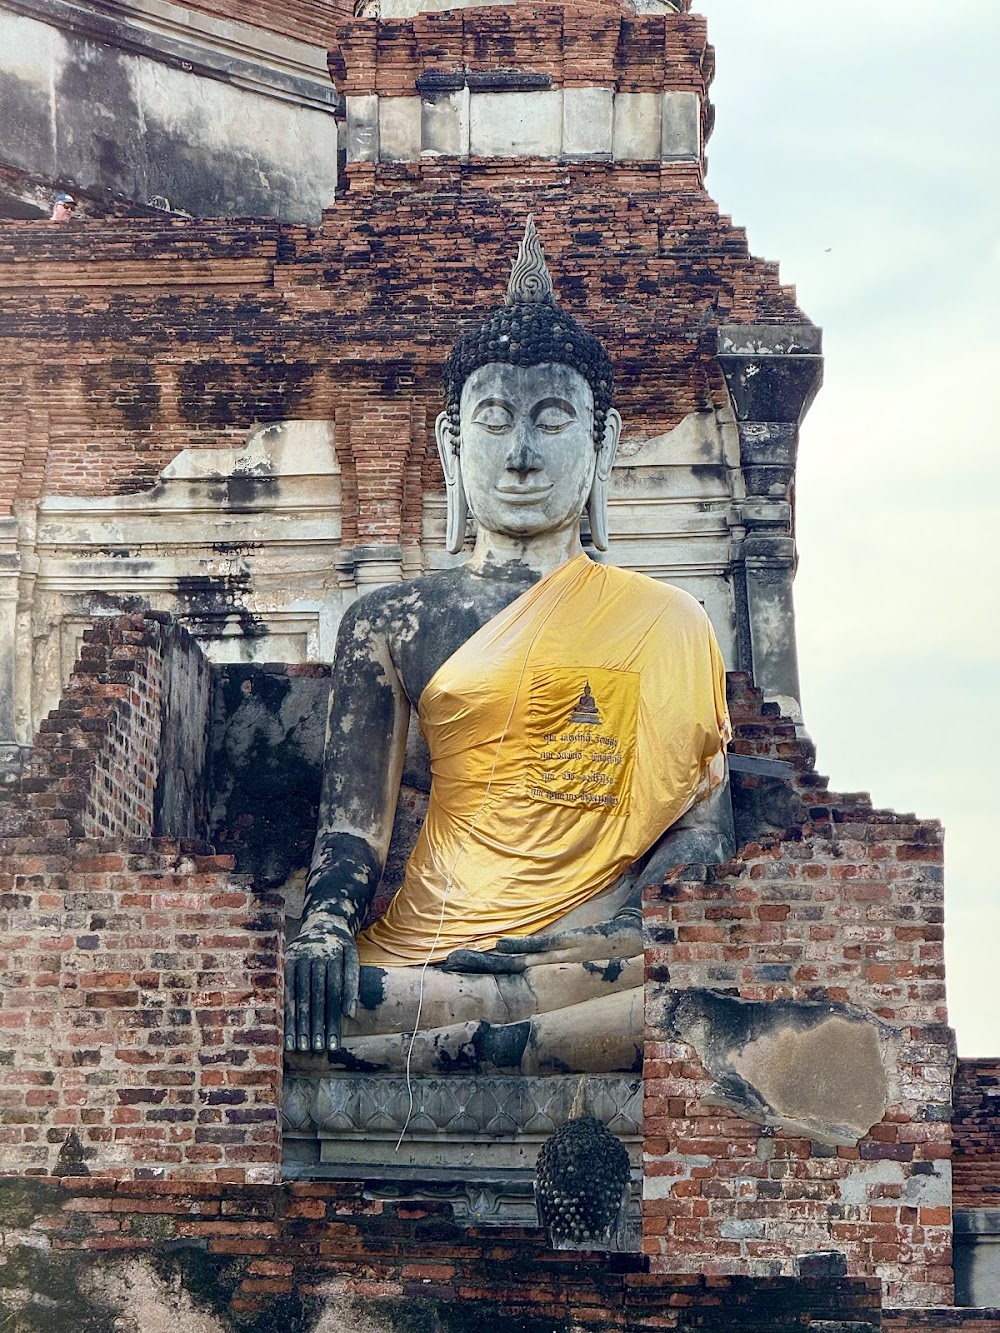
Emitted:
pixel 527 447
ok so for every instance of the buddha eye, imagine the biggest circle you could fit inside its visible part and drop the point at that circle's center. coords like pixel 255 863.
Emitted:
pixel 553 416
pixel 494 417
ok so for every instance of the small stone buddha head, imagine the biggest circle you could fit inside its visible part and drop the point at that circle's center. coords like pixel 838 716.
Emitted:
pixel 528 436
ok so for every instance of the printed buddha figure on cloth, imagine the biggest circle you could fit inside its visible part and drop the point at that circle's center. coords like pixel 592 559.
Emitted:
pixel 572 732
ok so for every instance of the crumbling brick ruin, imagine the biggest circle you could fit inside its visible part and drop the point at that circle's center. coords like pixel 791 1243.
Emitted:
pixel 215 431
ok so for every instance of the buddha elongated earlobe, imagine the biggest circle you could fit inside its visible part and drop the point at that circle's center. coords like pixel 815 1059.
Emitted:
pixel 458 505
pixel 597 502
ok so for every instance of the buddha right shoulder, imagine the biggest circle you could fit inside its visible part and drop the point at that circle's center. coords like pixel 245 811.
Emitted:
pixel 404 609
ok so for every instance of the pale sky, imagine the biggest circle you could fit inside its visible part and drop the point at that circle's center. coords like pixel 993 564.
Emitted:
pixel 857 143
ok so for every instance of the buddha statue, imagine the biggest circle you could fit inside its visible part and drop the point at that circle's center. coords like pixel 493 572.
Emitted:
pixel 572 733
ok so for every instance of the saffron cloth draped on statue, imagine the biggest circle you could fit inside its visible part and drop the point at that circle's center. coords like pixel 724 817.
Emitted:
pixel 565 737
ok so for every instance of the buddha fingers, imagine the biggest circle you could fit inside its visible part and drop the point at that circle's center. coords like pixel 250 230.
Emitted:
pixel 319 985
pixel 300 1001
pixel 319 993
pixel 330 1039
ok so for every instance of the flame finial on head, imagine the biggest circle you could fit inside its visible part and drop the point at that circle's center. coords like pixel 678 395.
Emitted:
pixel 530 282
pixel 530 330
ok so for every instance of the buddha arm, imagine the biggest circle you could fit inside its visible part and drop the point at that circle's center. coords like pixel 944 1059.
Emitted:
pixel 704 835
pixel 362 766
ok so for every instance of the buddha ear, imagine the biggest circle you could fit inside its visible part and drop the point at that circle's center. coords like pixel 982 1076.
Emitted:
pixel 597 504
pixel 458 505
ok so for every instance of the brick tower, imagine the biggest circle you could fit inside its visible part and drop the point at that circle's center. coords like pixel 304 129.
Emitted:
pixel 188 335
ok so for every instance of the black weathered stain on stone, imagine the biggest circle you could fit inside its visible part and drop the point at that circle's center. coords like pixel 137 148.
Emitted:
pixel 23 1199
pixel 764 805
pixel 769 388
pixel 98 80
pixel 47 1282
pixel 101 602
pixel 247 492
pixel 26 118
pixel 133 391
pixel 503 80
pixel 56 1303
pixel 371 988
pixel 438 82
pixel 707 472
pixel 432 83
pixel 207 601
pixel 227 393
pixel 180 795
pixel 341 1058
pixel 610 971
pixel 474 1317
pixel 501 1046
pixel 211 1279
pixel 265 769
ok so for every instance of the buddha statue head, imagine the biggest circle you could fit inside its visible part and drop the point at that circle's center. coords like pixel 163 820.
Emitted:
pixel 528 435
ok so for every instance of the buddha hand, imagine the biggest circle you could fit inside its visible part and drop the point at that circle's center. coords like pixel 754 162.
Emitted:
pixel 321 984
pixel 619 938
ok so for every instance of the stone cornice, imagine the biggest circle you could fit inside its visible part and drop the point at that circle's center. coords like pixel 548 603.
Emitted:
pixel 150 32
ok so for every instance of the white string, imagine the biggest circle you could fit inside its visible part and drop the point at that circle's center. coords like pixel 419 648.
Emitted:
pixel 458 856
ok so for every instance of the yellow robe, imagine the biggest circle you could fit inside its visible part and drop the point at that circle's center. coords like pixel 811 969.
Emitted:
pixel 565 737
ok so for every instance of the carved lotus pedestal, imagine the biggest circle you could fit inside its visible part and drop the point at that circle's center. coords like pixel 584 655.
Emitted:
pixel 471 1139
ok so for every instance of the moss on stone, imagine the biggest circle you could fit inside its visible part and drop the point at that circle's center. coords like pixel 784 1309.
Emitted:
pixel 40 1290
pixel 25 1198
pixel 153 1226
pixel 210 1279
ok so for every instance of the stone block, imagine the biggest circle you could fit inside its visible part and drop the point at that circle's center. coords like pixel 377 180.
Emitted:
pixel 399 129
pixel 183 101
pixel 445 124
pixel 516 124
pixel 680 122
pixel 821 1266
pixel 977 1256
pixel 362 128
pixel 588 122
pixel 637 127
pixel 802 1068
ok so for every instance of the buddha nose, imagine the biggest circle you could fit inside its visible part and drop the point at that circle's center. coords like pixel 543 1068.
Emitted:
pixel 522 458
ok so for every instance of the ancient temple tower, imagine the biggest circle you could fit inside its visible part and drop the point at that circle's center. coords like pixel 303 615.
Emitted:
pixel 182 337
pixel 215 432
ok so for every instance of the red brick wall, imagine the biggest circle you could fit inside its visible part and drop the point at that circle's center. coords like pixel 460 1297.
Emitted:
pixel 139 1009
pixel 940 1321
pixel 976 1134
pixel 312 21
pixel 586 45
pixel 120 800
pixel 846 908
pixel 96 762
pixel 279 1256
pixel 140 978
pixel 96 758
pixel 121 344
